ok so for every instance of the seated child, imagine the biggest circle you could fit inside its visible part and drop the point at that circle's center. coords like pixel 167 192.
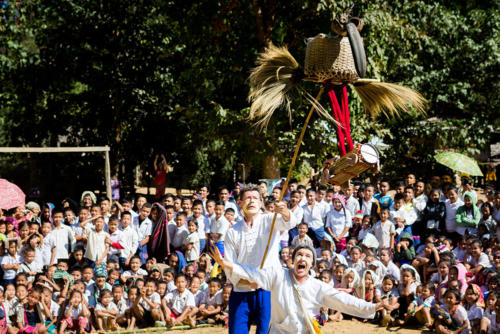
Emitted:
pixel 451 315
pixel 106 312
pixel 420 308
pixel 490 323
pixel 75 315
pixel 223 317
pixel 355 262
pixel 198 295
pixel 147 306
pixel 387 291
pixel 474 305
pixel 350 281
pixel 407 289
pixel 405 252
pixel 211 305
pixel 122 305
pixel 30 316
pixel 135 270
pixel 179 306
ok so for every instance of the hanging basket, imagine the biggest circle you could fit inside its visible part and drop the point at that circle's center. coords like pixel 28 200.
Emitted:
pixel 329 58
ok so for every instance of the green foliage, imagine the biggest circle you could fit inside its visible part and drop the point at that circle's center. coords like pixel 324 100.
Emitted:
pixel 171 77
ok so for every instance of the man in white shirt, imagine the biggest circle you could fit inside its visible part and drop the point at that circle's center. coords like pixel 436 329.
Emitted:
pixel 295 296
pixel 246 243
pixel 314 216
pixel 224 197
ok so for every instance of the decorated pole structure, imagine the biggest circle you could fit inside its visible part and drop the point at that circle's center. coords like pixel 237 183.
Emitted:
pixel 335 61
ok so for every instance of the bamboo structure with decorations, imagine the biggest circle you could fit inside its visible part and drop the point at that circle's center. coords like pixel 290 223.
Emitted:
pixel 336 61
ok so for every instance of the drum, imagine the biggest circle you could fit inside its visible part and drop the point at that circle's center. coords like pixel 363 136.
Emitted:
pixel 351 165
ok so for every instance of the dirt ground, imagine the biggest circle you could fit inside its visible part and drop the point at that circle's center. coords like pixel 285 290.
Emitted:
pixel 343 327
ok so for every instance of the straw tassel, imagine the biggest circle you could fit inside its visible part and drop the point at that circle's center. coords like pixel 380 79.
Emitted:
pixel 388 98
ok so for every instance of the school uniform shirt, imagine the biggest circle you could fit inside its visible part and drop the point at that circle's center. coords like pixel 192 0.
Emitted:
pixel 203 226
pixel 144 228
pixel 7 259
pixel 194 253
pixel 483 260
pixel 494 325
pixel 54 309
pixel 338 221
pixel 75 312
pixel 48 244
pixel 111 307
pixel 130 273
pixel 393 293
pixel 171 286
pixel 474 312
pixel 78 231
pixel 121 305
pixel 199 298
pixel 214 300
pixel 130 242
pixel 180 235
pixel 383 233
pixel 413 288
pixel 96 243
pixel 352 205
pixel 419 203
pixel 298 212
pixel 178 302
pixel 393 270
pixel 64 238
pixel 359 266
pixel 460 316
pixel 306 241
pixel 451 211
pixel 116 237
pixel 287 315
pixel 245 244
pixel 153 298
pixel 363 232
pixel 92 292
pixel 219 226
pixel 314 217
pixel 427 302
pixel 29 267
pixel 172 227
pixel 367 207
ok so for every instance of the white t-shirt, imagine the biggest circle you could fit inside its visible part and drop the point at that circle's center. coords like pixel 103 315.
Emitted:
pixel 46 248
pixel 199 297
pixel 483 260
pixel 7 259
pixel 219 226
pixel 460 316
pixel 180 235
pixel 141 272
pixel 111 307
pixel 154 298
pixel 96 243
pixel 177 302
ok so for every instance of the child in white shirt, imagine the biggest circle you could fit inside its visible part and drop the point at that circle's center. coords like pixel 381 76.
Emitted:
pixel 179 306
pixel 192 242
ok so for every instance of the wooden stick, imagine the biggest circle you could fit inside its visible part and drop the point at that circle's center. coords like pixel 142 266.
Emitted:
pixel 292 164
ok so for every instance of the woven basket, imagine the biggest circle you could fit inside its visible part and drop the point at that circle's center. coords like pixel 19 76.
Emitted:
pixel 329 58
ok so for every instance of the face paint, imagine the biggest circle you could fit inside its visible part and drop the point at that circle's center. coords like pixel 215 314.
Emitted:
pixel 250 211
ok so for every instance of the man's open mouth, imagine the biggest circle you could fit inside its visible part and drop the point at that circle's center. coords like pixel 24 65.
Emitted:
pixel 301 266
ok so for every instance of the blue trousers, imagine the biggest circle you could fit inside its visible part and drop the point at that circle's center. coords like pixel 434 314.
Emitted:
pixel 203 243
pixel 246 308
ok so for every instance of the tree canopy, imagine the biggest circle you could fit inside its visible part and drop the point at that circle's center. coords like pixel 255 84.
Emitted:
pixel 170 77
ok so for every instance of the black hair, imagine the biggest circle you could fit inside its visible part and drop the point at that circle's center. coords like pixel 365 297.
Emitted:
pixel 456 292
pixel 180 275
pixel 182 213
pixel 310 190
pixel 301 187
pixel 219 203
pixel 167 207
pixel 116 286
pixel 197 202
pixel 126 213
pixel 431 287
pixel 398 197
pixel 151 280
pixel 390 277
pixel 104 292
pixel 215 280
pixel 341 265
pixel 230 210
pixel 113 219
pixel 147 205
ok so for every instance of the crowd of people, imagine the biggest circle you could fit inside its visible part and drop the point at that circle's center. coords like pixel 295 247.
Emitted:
pixel 427 250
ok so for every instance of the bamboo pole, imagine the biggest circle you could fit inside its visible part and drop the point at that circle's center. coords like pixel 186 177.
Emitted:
pixel 292 164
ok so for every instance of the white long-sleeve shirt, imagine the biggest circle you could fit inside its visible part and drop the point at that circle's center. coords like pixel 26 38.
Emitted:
pixel 314 217
pixel 286 313
pixel 245 244
pixel 219 226
pixel 130 241
pixel 338 221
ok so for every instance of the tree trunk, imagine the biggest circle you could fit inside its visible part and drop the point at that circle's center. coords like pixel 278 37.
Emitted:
pixel 271 168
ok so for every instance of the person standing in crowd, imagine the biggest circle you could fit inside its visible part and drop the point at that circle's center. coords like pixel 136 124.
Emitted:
pixel 245 243
pixel 314 216
pixel 160 178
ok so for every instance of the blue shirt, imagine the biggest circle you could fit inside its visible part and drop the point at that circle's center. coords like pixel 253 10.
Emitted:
pixel 384 201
